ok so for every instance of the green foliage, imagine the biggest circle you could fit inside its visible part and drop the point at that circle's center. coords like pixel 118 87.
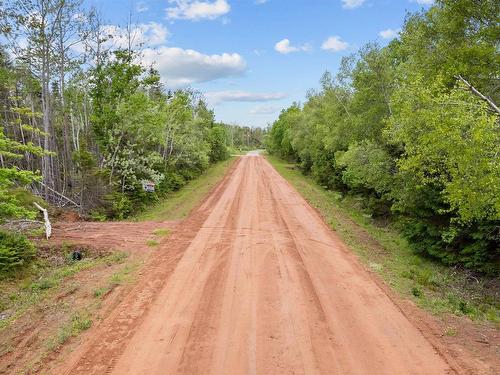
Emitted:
pixel 117 205
pixel 11 203
pixel 16 251
pixel 217 139
pixel 368 167
pixel 146 134
pixel 451 141
pixel 398 128
pixel 278 139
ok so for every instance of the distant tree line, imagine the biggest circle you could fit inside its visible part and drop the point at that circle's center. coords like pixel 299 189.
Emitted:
pixel 244 138
pixel 413 128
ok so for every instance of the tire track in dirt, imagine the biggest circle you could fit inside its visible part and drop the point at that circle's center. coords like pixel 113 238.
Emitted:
pixel 255 283
pixel 101 351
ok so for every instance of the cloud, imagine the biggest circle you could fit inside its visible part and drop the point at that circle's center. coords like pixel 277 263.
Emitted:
pixel 351 4
pixel 260 2
pixel 284 47
pixel 217 97
pixel 182 67
pixel 424 2
pixel 389 33
pixel 334 44
pixel 196 10
pixel 263 110
pixel 141 7
pixel 144 34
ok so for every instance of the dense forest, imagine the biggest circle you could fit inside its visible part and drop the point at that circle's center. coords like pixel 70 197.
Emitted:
pixel 413 130
pixel 84 123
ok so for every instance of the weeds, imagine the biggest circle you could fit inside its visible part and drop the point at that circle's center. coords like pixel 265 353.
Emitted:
pixel 450 331
pixel 161 232
pixel 19 295
pixel 123 275
pixel 78 323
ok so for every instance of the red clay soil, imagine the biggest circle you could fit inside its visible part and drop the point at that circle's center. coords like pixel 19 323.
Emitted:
pixel 128 236
pixel 254 282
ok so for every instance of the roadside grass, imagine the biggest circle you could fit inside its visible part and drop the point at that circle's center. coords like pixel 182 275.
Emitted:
pixel 43 280
pixel 152 243
pixel 78 322
pixel 161 232
pixel 431 285
pixel 122 276
pixel 178 204
pixel 82 319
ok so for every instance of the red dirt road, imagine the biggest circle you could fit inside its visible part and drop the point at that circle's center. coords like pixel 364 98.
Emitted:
pixel 255 283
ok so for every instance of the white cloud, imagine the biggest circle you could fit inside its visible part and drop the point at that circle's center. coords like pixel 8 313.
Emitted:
pixel 182 67
pixel 334 44
pixel 196 10
pixel 144 34
pixel 424 2
pixel 141 7
pixel 389 33
pixel 284 47
pixel 263 110
pixel 351 4
pixel 216 97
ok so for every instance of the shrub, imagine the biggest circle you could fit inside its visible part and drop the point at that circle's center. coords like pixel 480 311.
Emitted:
pixel 117 205
pixel 16 251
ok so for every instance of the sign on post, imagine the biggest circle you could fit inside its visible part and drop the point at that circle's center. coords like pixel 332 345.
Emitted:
pixel 148 186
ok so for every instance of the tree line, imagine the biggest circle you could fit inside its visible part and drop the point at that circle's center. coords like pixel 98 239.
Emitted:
pixel 413 130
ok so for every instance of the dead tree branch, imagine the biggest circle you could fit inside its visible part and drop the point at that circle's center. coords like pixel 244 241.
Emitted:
pixel 478 93
pixel 48 226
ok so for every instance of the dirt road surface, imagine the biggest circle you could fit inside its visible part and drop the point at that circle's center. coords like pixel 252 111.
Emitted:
pixel 254 282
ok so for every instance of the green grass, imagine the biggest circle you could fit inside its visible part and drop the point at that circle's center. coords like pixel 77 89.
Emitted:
pixel 431 285
pixel 19 295
pixel 120 277
pixel 152 243
pixel 161 232
pixel 179 204
pixel 78 322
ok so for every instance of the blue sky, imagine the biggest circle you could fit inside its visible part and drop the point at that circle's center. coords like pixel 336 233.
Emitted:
pixel 252 58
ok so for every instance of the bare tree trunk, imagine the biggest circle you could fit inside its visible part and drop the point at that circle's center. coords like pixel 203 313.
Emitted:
pixel 46 170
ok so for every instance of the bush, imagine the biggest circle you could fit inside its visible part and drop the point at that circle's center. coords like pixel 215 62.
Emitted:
pixel 173 181
pixel 217 140
pixel 16 251
pixel 117 205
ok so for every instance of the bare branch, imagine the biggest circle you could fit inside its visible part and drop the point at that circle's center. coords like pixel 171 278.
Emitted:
pixel 476 92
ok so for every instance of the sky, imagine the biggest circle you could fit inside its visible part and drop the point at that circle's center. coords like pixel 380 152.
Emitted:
pixel 252 58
